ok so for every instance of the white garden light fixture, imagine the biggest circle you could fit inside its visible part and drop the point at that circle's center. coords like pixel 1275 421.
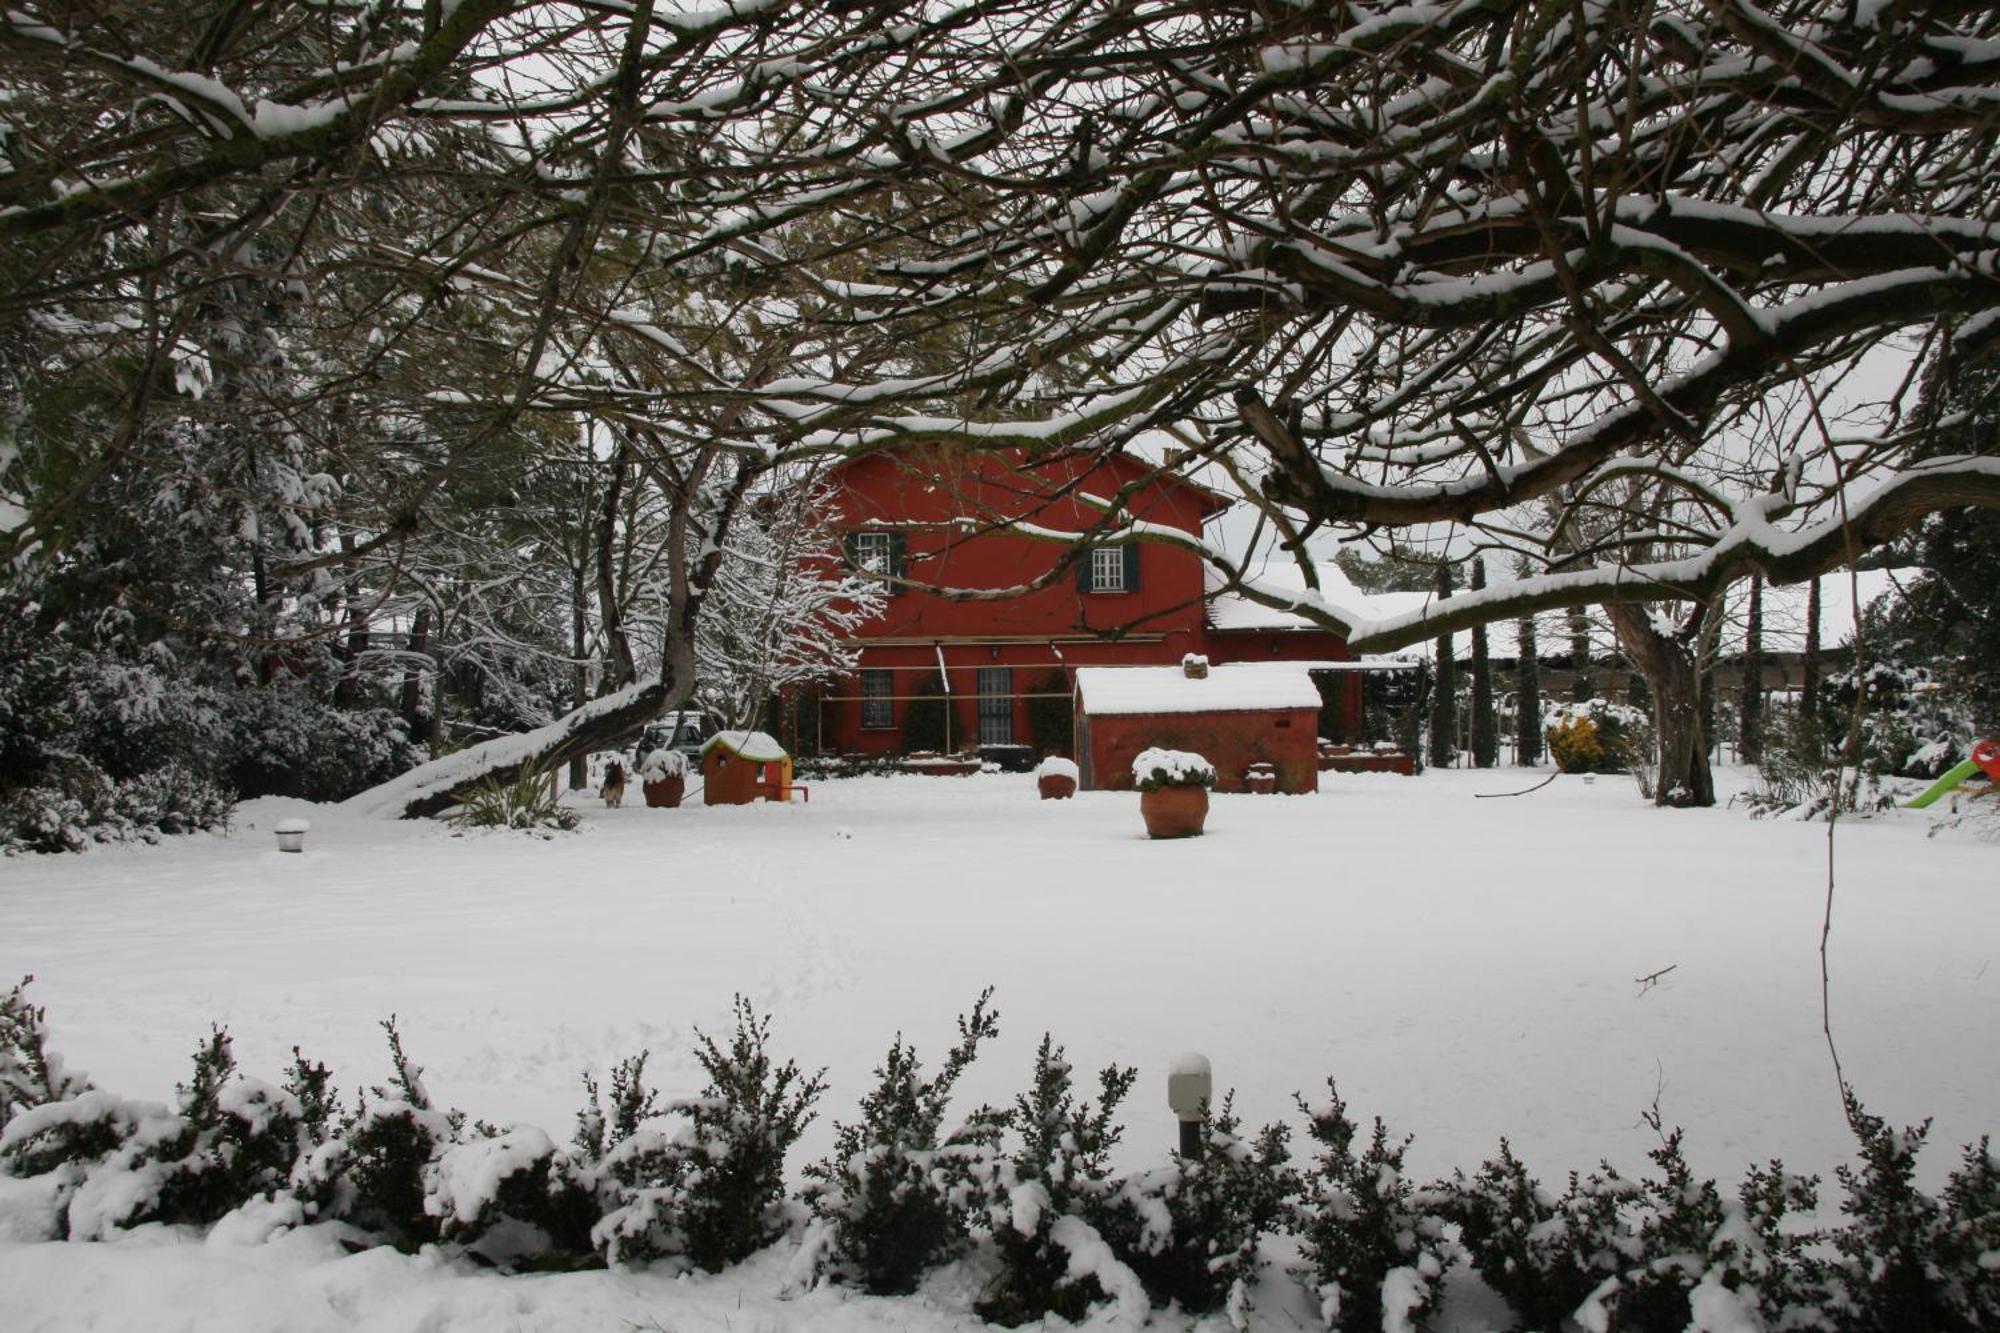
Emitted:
pixel 1190 1084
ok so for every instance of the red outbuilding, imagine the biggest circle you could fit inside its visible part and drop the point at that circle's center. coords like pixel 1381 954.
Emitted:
pixel 1232 716
pixel 1001 668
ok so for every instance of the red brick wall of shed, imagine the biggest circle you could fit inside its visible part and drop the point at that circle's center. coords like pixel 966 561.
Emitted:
pixel 1232 742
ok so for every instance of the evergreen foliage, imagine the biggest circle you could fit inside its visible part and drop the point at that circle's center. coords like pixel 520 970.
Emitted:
pixel 708 1191
pixel 699 1182
pixel 1042 1207
pixel 1373 1245
pixel 1191 1232
pixel 527 801
pixel 887 1190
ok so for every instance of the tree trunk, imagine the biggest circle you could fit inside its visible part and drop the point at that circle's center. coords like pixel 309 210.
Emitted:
pixel 604 723
pixel 1528 698
pixel 579 634
pixel 619 667
pixel 1750 715
pixel 1444 702
pixel 413 678
pixel 1809 668
pixel 1673 675
pixel 1485 727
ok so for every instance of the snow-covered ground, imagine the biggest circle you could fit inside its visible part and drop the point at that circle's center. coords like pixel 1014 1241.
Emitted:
pixel 1465 968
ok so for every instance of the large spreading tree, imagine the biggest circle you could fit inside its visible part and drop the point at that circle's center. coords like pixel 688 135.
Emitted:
pixel 1643 295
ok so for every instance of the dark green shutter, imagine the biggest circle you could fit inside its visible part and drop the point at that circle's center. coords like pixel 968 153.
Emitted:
pixel 850 550
pixel 1131 566
pixel 1083 581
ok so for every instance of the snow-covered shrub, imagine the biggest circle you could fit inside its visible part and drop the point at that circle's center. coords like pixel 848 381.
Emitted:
pixel 885 1195
pixel 1191 1231
pixel 1599 736
pixel 31 1076
pixel 1156 768
pixel 287 741
pixel 1056 766
pixel 528 802
pixel 1543 1255
pixel 372 1170
pixel 706 1182
pixel 1373 1246
pixel 1907 1262
pixel 663 763
pixel 30 1073
pixel 1044 1207
pixel 76 803
pixel 231 1139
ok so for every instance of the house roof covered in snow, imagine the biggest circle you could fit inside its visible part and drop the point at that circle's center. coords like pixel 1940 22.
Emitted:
pixel 1784 613
pixel 1244 687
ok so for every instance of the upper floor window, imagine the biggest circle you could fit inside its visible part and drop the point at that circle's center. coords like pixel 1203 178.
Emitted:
pixel 886 553
pixel 1110 569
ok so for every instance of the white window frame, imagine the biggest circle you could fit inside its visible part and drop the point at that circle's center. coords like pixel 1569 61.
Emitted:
pixel 875 552
pixel 1107 569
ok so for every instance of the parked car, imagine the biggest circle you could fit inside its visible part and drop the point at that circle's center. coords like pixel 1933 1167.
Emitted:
pixel 687 731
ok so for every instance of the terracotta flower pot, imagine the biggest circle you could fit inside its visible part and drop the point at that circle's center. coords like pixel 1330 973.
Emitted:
pixel 1260 779
pixel 1174 812
pixel 665 793
pixel 1056 786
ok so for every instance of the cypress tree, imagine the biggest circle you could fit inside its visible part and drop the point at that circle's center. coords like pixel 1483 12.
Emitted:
pixel 1444 695
pixel 1750 714
pixel 1528 697
pixel 1579 655
pixel 1809 686
pixel 1485 727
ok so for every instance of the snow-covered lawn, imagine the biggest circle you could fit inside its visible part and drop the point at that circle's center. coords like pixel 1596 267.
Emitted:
pixel 1465 968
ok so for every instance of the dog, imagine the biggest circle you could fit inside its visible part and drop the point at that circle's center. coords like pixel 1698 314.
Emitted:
pixel 613 790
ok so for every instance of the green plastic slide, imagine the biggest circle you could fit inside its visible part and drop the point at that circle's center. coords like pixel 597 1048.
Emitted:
pixel 1943 785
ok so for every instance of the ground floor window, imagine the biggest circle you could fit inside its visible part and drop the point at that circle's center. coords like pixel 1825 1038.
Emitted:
pixel 996 706
pixel 878 708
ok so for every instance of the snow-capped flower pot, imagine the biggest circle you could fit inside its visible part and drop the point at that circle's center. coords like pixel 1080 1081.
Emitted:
pixel 1055 778
pixel 292 834
pixel 1260 779
pixel 663 777
pixel 1173 792
pixel 664 793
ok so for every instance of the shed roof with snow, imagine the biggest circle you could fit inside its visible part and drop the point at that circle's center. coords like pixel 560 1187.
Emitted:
pixel 755 746
pixel 1245 687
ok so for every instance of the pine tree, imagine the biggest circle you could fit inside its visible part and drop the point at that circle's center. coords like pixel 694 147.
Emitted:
pixel 1485 728
pixel 1444 695
pixel 1528 697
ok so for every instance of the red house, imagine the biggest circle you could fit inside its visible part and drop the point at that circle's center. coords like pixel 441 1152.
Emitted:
pixel 1001 669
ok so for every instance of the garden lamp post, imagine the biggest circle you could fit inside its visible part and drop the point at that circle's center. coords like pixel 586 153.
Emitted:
pixel 1189 1085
